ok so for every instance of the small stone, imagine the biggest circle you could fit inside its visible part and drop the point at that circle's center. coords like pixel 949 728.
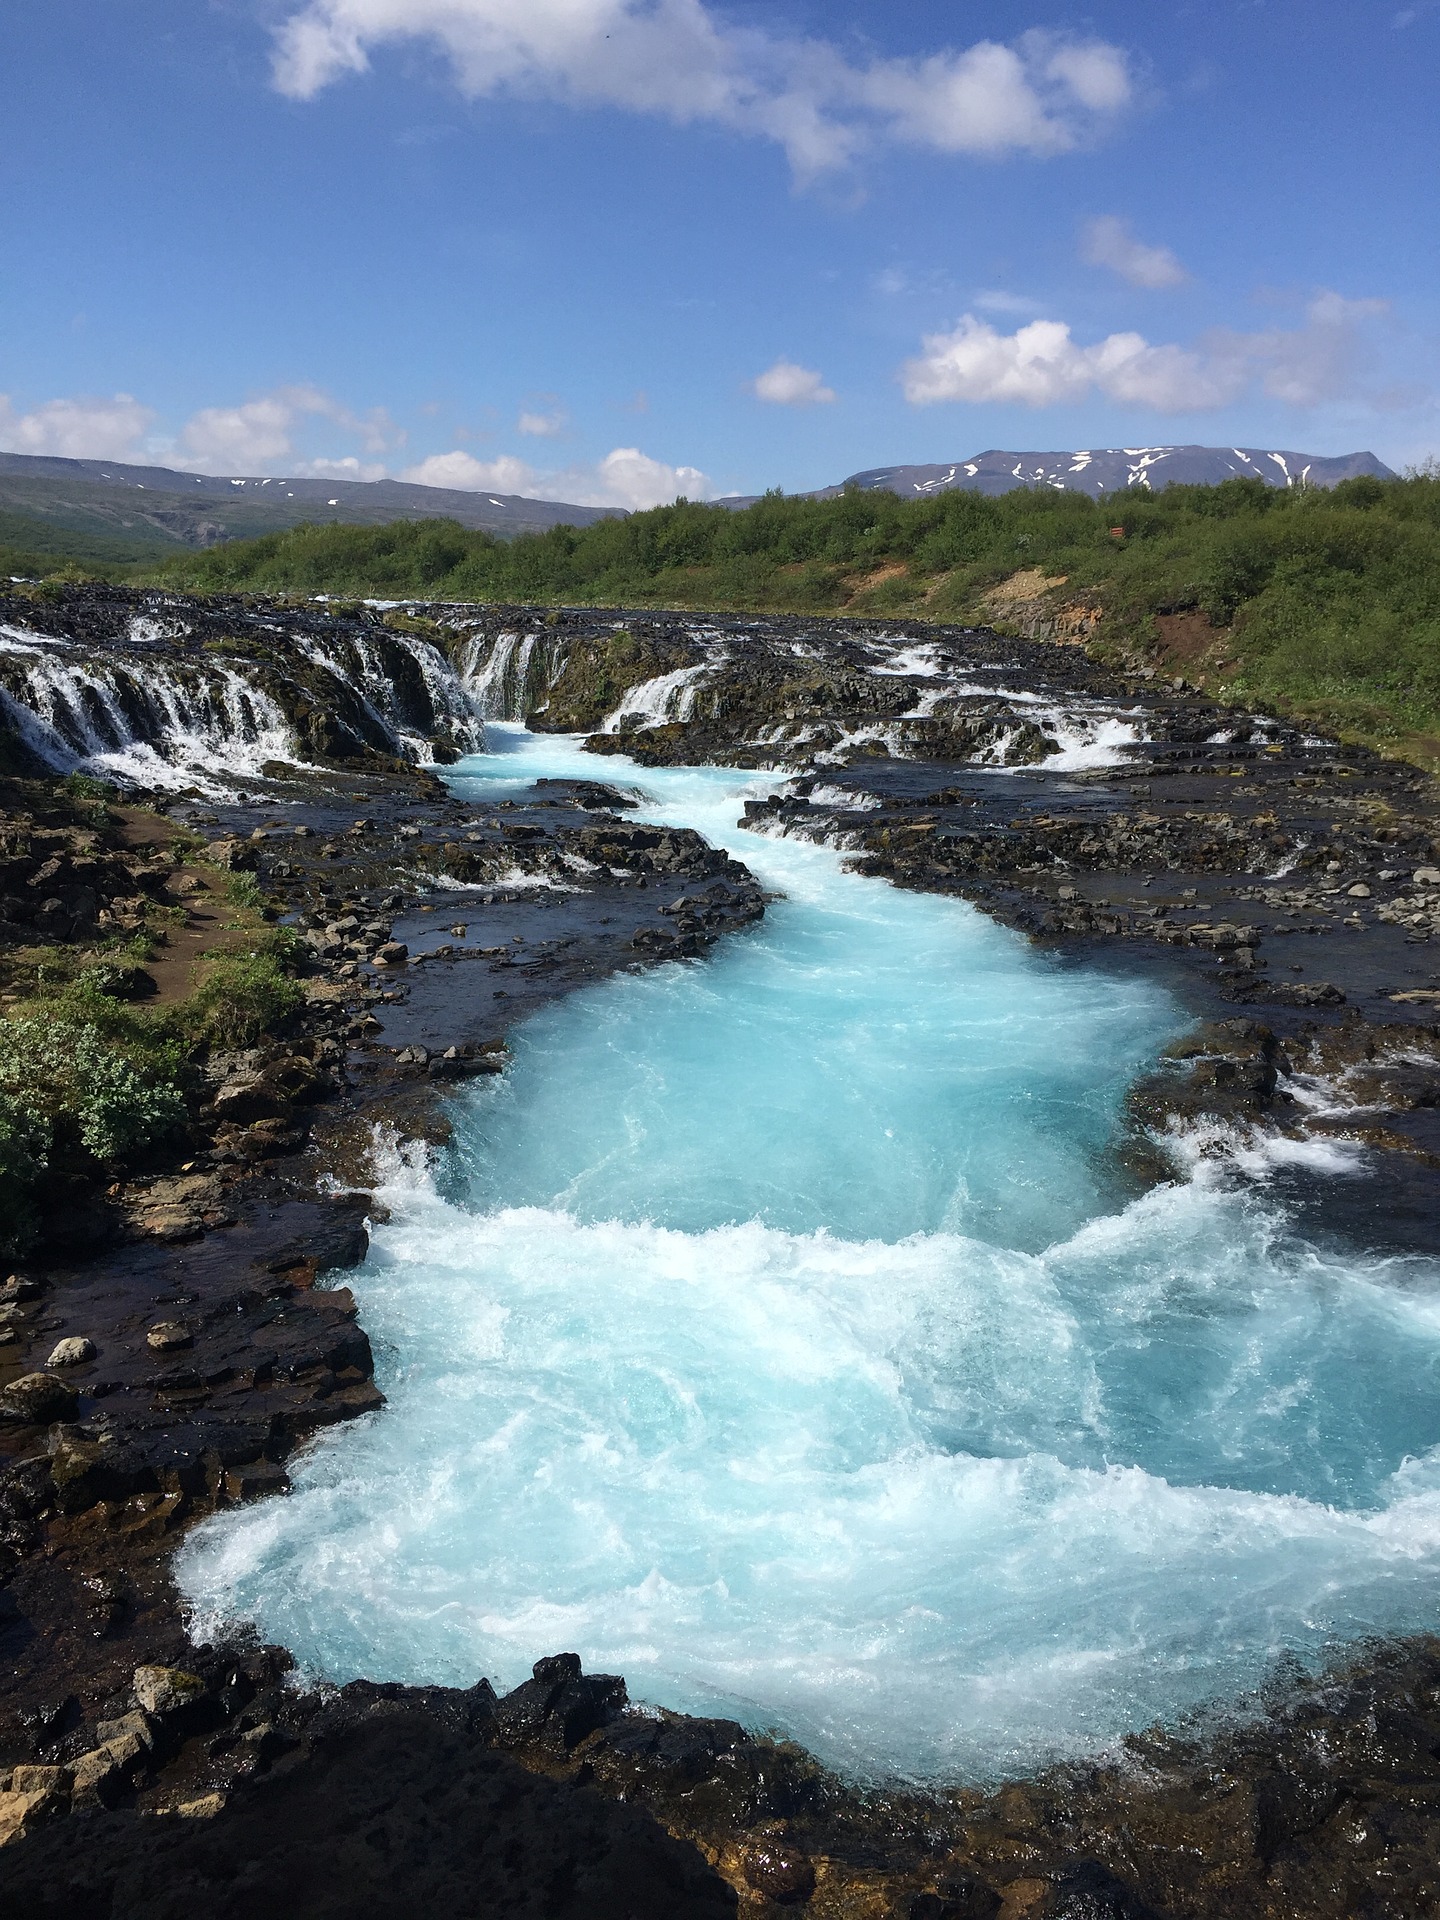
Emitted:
pixel 1426 876
pixel 394 953
pixel 168 1336
pixel 71 1353
pixel 164 1690
pixel 1359 891
pixel 1066 893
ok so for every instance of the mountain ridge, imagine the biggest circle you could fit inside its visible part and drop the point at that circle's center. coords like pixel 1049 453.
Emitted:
pixel 1111 469
pixel 163 507
pixel 1098 471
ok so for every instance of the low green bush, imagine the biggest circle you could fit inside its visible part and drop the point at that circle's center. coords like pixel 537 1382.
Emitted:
pixel 66 1087
pixel 245 994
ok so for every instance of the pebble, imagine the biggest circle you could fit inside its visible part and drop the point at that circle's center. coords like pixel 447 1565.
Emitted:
pixel 1426 876
pixel 1360 892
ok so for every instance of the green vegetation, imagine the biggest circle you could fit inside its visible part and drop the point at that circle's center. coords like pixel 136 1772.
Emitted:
pixel 95 1069
pixel 35 546
pixel 70 1088
pixel 88 1081
pixel 246 993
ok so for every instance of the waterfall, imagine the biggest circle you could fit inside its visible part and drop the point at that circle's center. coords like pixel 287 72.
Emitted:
pixel 375 667
pixel 507 674
pixel 655 703
pixel 158 724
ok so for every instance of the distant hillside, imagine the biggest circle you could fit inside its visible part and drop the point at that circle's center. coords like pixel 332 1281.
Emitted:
pixel 1097 471
pixel 107 510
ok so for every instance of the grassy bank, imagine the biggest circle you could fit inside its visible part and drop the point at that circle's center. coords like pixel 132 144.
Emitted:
pixel 1324 604
pixel 97 1071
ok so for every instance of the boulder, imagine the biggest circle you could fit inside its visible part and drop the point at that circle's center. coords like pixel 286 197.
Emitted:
pixel 561 1705
pixel 169 1336
pixel 165 1690
pixel 19 1812
pixel 38 1399
pixel 71 1353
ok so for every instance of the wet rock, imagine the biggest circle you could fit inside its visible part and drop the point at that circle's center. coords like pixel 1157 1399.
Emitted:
pixel 73 1352
pixel 38 1399
pixel 1090 1891
pixel 776 1867
pixel 85 1471
pixel 1222 1070
pixel 169 1336
pixel 560 1705
pixel 958 1896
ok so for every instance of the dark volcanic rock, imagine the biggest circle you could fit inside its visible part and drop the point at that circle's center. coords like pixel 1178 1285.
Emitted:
pixel 397 1813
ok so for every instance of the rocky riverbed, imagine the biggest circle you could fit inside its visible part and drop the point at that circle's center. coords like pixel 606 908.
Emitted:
pixel 183 1327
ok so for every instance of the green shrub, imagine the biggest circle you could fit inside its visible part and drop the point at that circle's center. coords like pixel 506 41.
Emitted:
pixel 244 995
pixel 64 1086
pixel 70 1079
pixel 24 1141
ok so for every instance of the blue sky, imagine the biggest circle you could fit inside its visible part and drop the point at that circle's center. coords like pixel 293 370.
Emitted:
pixel 610 249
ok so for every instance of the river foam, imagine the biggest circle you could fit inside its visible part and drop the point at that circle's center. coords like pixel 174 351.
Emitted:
pixel 778 1335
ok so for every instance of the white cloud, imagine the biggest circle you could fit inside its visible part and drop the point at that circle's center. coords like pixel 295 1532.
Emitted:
pixel 469 475
pixel 543 426
pixel 78 429
pixel 1041 365
pixel 348 468
pixel 626 477
pixel 259 434
pixel 1043 94
pixel 786 385
pixel 1109 242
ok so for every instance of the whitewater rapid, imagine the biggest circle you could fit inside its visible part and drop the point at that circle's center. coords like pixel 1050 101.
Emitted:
pixel 779 1334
